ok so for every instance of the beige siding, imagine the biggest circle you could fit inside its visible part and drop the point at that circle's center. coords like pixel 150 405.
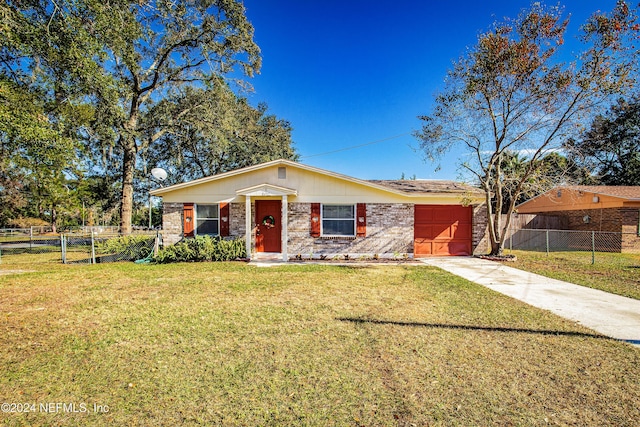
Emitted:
pixel 310 186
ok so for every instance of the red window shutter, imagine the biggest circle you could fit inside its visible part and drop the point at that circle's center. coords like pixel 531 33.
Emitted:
pixel 315 219
pixel 224 219
pixel 188 219
pixel 361 220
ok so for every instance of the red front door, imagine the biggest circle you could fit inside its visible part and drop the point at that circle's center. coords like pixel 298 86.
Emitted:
pixel 269 230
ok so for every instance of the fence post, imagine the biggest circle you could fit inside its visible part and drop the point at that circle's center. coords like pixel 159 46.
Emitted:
pixel 156 244
pixel 593 247
pixel 31 237
pixel 93 250
pixel 547 241
pixel 63 249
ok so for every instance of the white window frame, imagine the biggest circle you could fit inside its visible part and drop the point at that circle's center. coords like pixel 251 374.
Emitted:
pixel 322 220
pixel 196 218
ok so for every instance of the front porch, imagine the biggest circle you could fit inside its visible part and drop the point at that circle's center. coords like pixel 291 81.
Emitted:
pixel 266 226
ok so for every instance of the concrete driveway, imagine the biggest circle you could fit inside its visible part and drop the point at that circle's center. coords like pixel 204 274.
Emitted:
pixel 611 315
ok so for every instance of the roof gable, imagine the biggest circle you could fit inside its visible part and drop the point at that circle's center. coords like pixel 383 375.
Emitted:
pixel 248 169
pixel 307 182
pixel 266 190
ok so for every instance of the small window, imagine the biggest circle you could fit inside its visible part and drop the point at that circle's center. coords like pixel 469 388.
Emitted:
pixel 207 219
pixel 338 220
pixel 282 173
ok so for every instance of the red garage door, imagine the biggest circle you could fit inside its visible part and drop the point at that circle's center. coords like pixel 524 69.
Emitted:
pixel 442 230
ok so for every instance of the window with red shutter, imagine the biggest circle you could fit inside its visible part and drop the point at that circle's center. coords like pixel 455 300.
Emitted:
pixel 361 220
pixel 315 219
pixel 224 219
pixel 188 220
pixel 338 220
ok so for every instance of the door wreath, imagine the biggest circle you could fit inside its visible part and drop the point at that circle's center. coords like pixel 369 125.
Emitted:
pixel 269 221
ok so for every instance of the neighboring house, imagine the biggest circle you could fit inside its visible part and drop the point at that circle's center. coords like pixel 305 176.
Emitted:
pixel 593 208
pixel 291 209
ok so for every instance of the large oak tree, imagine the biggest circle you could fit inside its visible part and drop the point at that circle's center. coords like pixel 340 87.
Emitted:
pixel 169 45
pixel 123 57
pixel 207 131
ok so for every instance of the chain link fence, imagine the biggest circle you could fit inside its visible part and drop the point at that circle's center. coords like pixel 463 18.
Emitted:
pixel 24 246
pixel 591 243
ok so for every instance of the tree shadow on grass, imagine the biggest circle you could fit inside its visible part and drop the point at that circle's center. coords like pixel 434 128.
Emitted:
pixel 474 328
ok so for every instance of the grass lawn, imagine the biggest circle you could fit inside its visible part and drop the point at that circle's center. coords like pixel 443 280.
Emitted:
pixel 612 272
pixel 231 344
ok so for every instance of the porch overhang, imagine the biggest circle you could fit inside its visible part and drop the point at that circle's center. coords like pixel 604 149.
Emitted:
pixel 264 190
pixel 267 190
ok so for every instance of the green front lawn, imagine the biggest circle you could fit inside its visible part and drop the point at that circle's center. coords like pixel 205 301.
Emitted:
pixel 611 272
pixel 230 344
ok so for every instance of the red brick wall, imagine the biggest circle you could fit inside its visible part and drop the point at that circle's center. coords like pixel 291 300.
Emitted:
pixel 616 220
pixel 599 219
pixel 480 242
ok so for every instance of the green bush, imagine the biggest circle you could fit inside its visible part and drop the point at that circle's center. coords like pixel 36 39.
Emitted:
pixel 202 248
pixel 126 247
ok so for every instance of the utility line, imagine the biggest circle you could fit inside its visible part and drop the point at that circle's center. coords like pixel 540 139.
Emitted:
pixel 356 146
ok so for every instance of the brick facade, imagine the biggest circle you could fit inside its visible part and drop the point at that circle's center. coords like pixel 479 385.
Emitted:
pixel 631 230
pixel 389 230
pixel 480 243
pixel 615 220
pixel 625 221
pixel 172 223
pixel 389 233
pixel 237 219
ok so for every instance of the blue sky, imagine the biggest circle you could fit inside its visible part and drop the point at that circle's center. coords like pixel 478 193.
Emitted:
pixel 352 72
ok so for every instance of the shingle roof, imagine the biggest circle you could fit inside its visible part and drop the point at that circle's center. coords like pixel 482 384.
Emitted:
pixel 428 186
pixel 409 188
pixel 623 192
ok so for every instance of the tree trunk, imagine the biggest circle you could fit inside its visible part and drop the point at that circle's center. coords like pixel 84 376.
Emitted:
pixel 492 222
pixel 128 168
pixel 54 220
pixel 496 248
